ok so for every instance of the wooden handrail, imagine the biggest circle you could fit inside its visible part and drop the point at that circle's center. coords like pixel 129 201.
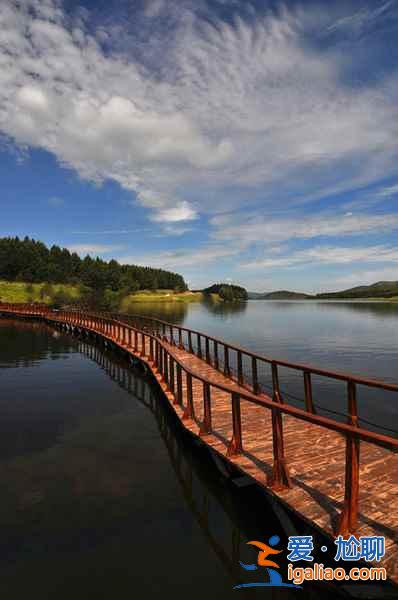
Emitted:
pixel 338 375
pixel 163 358
pixel 264 400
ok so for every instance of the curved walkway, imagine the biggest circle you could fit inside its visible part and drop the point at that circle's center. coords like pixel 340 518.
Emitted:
pixel 313 465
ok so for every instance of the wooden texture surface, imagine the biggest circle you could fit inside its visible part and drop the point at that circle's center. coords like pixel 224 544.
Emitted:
pixel 315 457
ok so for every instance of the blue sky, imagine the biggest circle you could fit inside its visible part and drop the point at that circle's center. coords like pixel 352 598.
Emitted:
pixel 253 142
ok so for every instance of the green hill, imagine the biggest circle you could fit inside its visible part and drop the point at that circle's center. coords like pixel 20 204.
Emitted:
pixel 381 289
pixel 279 295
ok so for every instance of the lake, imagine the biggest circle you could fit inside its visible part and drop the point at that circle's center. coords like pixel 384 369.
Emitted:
pixel 103 495
pixel 356 337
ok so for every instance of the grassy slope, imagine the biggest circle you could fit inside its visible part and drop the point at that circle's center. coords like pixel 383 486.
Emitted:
pixel 160 296
pixel 16 291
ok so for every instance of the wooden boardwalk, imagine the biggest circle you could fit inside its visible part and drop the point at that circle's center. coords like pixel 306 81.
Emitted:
pixel 316 456
pixel 318 492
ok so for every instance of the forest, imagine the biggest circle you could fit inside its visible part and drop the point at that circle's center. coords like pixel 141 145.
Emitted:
pixel 32 261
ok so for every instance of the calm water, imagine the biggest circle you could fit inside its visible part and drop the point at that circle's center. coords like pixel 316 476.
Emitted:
pixel 103 495
pixel 356 337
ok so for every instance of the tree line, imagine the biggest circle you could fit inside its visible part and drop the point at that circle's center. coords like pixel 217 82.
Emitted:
pixel 32 261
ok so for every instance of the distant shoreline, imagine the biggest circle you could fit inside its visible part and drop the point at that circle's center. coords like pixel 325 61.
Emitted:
pixel 305 300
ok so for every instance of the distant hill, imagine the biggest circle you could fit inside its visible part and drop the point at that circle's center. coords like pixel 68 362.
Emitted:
pixel 227 291
pixel 278 295
pixel 381 289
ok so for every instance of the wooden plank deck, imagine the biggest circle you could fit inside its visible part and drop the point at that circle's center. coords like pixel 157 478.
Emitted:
pixel 315 456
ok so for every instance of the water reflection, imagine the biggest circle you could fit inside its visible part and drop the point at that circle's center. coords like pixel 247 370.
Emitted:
pixel 209 490
pixel 26 343
pixel 372 307
pixel 109 506
pixel 224 309
pixel 175 312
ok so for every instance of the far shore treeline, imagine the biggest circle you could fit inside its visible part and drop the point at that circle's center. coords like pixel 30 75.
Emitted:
pixel 33 262
pixel 227 291
pixel 32 272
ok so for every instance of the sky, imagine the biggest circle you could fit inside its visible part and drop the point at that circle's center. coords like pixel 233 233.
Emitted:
pixel 248 142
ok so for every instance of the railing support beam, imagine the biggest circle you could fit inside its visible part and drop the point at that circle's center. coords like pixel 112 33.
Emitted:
pixel 235 445
pixel 280 478
pixel 349 517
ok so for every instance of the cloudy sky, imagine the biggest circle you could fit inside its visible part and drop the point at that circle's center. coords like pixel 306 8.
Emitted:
pixel 255 142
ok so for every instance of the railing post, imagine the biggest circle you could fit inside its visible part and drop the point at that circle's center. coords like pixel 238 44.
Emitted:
pixel 207 350
pixel 171 372
pixel 179 385
pixel 280 478
pixel 130 338
pixel 349 516
pixel 161 364
pixel 180 344
pixel 199 341
pixel 205 427
pixel 216 363
pixel 309 404
pixel 171 335
pixel 142 353
pixel 190 348
pixel 189 410
pixel 227 370
pixel 240 368
pixel 135 340
pixel 151 348
pixel 166 365
pixel 256 387
pixel 235 445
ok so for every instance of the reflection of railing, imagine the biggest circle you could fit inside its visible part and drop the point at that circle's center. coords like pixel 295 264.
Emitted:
pixel 161 345
pixel 201 501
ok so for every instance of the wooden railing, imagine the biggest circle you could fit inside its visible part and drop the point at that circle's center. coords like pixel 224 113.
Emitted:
pixel 156 341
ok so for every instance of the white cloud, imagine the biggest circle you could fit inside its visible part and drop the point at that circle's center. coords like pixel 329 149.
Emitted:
pixel 56 201
pixel 361 19
pixel 233 105
pixel 365 277
pixel 175 259
pixel 154 8
pixel 111 231
pixel 388 191
pixel 181 212
pixel 330 255
pixel 93 249
pixel 272 230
